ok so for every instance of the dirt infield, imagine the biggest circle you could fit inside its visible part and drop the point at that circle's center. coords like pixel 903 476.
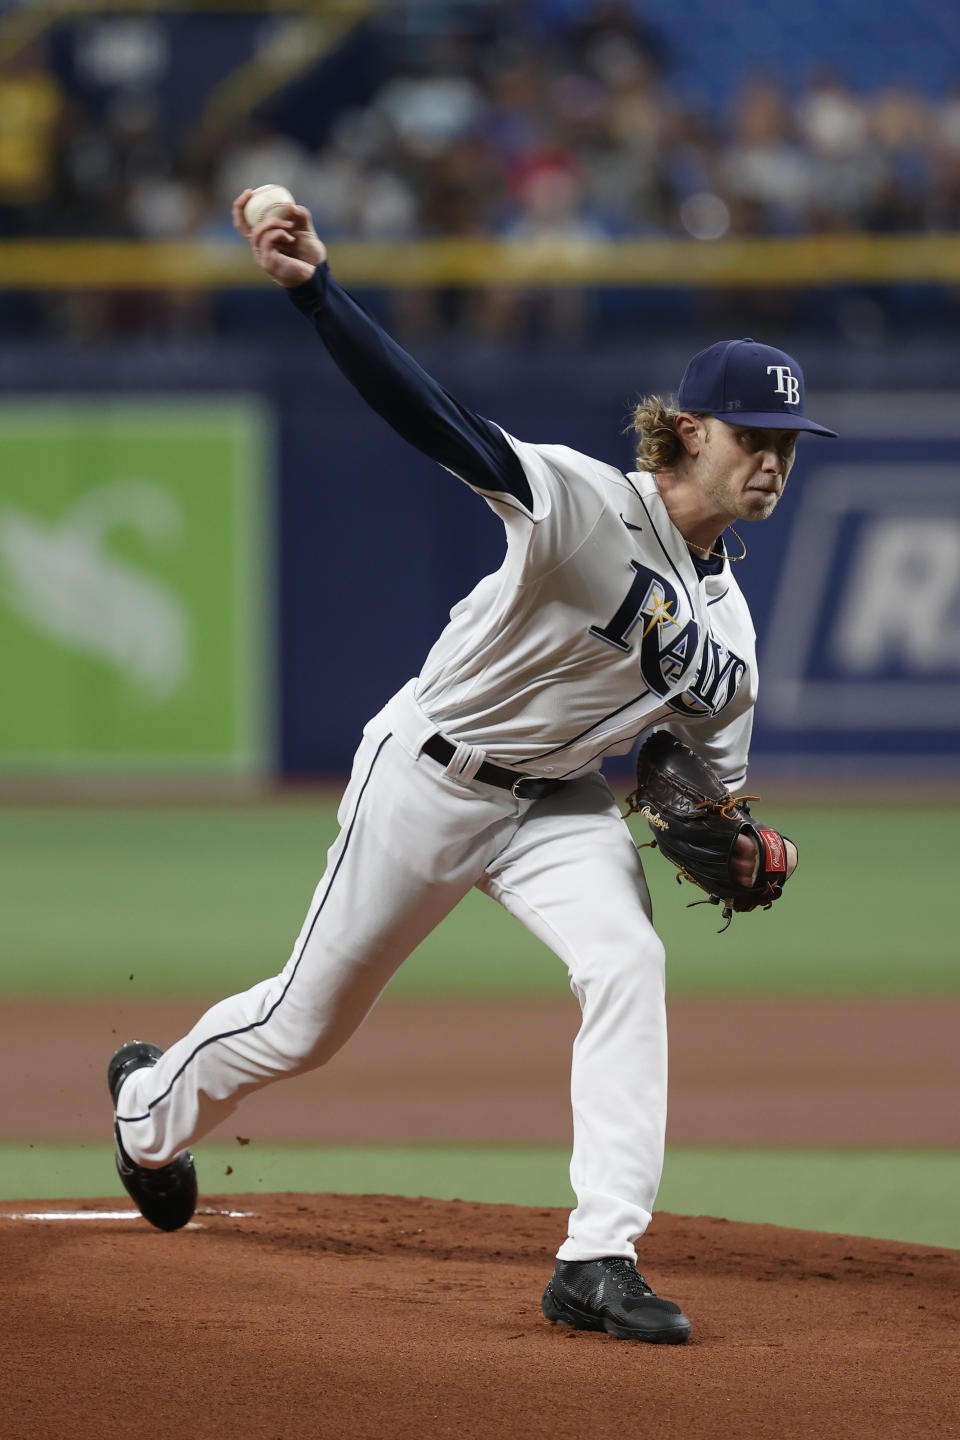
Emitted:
pixel 354 1317
pixel 361 1317
pixel 745 1072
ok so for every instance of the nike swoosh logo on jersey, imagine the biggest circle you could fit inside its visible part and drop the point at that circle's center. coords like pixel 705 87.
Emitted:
pixel 628 525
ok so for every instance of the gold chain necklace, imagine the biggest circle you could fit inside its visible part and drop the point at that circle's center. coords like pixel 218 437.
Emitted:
pixel 721 554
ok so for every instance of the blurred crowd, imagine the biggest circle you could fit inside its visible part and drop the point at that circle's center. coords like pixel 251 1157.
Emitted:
pixel 574 132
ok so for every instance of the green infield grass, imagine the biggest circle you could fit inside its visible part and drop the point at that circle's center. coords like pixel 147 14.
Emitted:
pixel 181 901
pixel 897 1195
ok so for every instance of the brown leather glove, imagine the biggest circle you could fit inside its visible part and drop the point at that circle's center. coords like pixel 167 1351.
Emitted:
pixel 696 823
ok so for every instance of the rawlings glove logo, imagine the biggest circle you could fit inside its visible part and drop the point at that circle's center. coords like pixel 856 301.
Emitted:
pixel 652 818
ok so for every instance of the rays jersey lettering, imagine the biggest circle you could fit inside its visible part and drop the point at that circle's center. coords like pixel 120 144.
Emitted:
pixel 718 679
pixel 668 647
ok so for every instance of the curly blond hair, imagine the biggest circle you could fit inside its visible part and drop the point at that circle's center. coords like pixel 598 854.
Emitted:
pixel 654 421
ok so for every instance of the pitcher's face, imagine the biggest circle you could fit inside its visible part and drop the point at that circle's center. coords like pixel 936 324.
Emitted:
pixel 743 471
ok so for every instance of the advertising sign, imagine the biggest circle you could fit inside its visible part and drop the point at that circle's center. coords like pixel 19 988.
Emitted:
pixel 133 586
pixel 860 624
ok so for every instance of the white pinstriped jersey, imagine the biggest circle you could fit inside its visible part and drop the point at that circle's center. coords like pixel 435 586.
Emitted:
pixel 595 628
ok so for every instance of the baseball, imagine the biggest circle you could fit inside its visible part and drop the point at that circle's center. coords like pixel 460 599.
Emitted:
pixel 268 200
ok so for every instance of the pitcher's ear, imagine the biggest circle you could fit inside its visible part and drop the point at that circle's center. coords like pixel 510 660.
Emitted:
pixel 692 430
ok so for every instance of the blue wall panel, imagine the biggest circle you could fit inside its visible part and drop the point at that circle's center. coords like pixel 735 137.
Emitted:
pixel 854 583
pixel 378 543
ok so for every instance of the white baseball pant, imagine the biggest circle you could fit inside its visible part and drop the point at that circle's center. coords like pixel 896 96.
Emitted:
pixel 412 842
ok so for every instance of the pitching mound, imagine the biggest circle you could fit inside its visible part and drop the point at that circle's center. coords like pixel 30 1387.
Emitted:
pixel 373 1316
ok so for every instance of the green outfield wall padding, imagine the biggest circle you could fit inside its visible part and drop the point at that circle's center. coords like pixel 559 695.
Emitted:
pixel 133 586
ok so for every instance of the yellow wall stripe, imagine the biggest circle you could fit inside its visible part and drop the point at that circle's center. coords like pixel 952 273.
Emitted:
pixel 462 263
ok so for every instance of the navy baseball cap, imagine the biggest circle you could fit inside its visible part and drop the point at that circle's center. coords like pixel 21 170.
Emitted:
pixel 746 383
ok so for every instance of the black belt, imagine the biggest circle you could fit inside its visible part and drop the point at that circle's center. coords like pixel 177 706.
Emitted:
pixel 522 787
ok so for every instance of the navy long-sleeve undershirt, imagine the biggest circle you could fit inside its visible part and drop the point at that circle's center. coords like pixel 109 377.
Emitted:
pixel 410 400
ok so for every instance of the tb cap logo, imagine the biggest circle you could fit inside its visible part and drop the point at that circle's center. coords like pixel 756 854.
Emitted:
pixel 731 381
pixel 787 383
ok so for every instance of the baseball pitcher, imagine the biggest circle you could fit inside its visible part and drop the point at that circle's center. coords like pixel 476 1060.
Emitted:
pixel 615 615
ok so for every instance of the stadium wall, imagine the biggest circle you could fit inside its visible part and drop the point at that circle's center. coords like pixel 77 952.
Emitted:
pixel 354 547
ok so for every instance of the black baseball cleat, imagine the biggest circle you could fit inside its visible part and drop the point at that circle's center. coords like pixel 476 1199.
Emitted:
pixel 611 1295
pixel 167 1197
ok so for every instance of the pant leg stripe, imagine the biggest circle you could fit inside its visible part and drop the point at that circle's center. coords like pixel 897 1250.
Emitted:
pixel 256 1024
